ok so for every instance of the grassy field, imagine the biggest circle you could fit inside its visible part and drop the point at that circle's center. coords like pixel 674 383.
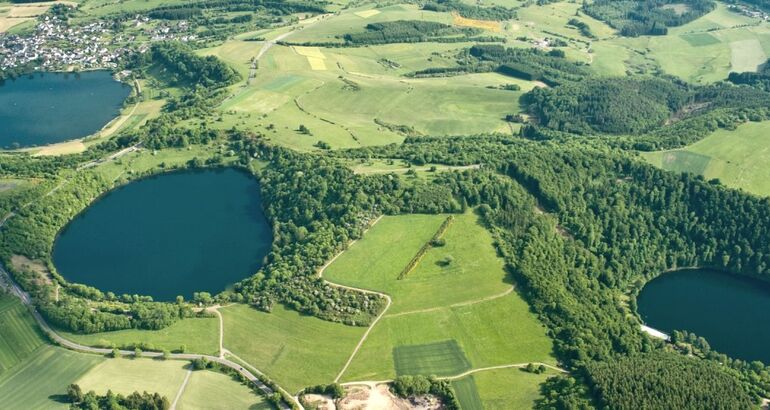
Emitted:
pixel 485 339
pixel 376 261
pixel 216 391
pixel 468 394
pixel 499 389
pixel 198 335
pixel 127 375
pixel 704 50
pixel 444 319
pixel 19 337
pixel 738 158
pixel 42 379
pixel 295 350
pixel 338 93
pixel 443 358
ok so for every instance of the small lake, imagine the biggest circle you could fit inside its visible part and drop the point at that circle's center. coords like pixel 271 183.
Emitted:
pixel 45 108
pixel 168 235
pixel 730 311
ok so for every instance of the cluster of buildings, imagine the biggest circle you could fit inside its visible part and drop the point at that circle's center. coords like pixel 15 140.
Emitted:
pixel 749 11
pixel 55 45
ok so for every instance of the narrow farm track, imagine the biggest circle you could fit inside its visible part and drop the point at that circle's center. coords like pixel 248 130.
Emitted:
pixel 466 303
pixel 388 302
pixel 463 374
pixel 181 389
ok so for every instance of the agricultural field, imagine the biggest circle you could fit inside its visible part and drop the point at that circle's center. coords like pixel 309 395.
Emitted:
pixel 197 335
pixel 442 321
pixel 277 344
pixel 358 96
pixel 127 375
pixel 42 380
pixel 499 389
pixel 19 337
pixel 704 50
pixel 429 285
pixel 217 391
pixel 737 158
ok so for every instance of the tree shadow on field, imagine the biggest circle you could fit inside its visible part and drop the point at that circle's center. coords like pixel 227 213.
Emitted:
pixel 59 398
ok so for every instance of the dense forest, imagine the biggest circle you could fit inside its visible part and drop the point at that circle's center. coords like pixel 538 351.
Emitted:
pixel 498 13
pixel 611 223
pixel 530 64
pixel 648 17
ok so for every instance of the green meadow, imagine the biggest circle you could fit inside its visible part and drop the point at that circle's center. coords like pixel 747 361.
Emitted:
pixel 19 337
pixel 375 262
pixel 279 344
pixel 737 158
pixel 500 389
pixel 442 320
pixel 197 335
pixel 127 375
pixel 41 380
pixel 216 391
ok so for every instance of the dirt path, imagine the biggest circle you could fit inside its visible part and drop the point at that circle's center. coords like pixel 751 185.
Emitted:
pixel 388 301
pixel 466 303
pixel 181 389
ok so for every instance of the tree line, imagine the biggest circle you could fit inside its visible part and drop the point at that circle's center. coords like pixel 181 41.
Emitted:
pixel 647 17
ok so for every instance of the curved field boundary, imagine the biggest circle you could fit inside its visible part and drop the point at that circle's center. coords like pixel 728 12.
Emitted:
pixel 454 305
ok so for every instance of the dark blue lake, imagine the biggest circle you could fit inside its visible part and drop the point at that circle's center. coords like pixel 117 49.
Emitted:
pixel 45 108
pixel 168 235
pixel 730 311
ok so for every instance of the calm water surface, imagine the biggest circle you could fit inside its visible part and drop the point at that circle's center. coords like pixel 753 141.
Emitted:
pixel 168 235
pixel 46 108
pixel 730 311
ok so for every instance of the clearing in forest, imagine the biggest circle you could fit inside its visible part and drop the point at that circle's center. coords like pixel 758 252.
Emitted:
pixel 737 158
pixel 446 314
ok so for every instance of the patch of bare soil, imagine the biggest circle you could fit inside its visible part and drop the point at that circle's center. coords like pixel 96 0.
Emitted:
pixel 379 397
pixel 320 402
pixel 22 263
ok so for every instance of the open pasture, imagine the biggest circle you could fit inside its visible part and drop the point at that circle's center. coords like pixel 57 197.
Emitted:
pixel 40 382
pixel 500 389
pixel 444 358
pixel 737 158
pixel 391 243
pixel 447 311
pixel 293 349
pixel 216 391
pixel 19 337
pixel 197 335
pixel 476 328
pixel 127 375
pixel 704 50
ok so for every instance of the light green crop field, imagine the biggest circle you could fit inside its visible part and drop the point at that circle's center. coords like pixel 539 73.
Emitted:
pixel 198 335
pixel 127 375
pixel 42 380
pixel 503 389
pixel 468 394
pixel 19 337
pixel 446 312
pixel 704 50
pixel 294 350
pixel 738 158
pixel 476 328
pixel 375 262
pixel 216 391
pixel 350 22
